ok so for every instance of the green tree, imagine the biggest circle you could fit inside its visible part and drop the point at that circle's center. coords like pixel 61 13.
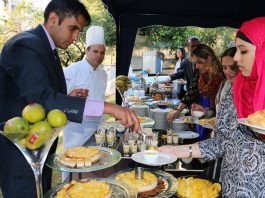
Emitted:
pixel 23 17
pixel 173 37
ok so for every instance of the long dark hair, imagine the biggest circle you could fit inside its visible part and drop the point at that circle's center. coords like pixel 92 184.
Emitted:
pixel 182 49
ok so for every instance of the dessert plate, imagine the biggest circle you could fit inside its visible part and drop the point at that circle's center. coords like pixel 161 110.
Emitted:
pixel 108 158
pixel 118 189
pixel 207 126
pixel 187 134
pixel 257 129
pixel 169 181
pixel 163 158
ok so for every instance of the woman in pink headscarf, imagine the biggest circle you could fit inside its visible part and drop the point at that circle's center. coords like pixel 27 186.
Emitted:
pixel 243 167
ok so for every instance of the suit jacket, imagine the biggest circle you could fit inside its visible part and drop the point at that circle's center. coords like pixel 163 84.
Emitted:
pixel 185 72
pixel 29 73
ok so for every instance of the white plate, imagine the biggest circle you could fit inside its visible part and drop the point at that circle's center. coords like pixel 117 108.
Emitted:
pixel 139 106
pixel 164 158
pixel 148 122
pixel 257 129
pixel 160 110
pixel 187 134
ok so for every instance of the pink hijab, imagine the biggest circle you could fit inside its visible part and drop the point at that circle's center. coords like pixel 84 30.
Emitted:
pixel 249 92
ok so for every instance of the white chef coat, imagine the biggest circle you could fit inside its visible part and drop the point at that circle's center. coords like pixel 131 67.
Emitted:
pixel 82 75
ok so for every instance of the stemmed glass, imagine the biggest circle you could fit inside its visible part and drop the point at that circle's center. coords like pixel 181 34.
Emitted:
pixel 122 94
pixel 36 156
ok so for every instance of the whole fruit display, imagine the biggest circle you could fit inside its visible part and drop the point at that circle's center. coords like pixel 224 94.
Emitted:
pixel 123 83
pixel 33 113
pixel 16 128
pixel 57 118
pixel 40 132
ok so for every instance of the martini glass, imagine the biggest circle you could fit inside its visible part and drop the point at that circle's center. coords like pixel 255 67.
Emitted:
pixel 123 104
pixel 37 154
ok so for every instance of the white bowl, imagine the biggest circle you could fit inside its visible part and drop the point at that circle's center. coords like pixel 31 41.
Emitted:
pixel 150 155
pixel 186 160
pixel 197 114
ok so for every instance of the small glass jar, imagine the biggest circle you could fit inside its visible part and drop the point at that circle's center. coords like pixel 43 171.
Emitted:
pixel 175 139
pixel 133 148
pixel 143 147
pixel 126 149
pixel 169 139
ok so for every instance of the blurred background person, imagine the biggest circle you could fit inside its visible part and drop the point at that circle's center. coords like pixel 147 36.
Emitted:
pixel 187 68
pixel 180 56
pixel 159 60
pixel 207 79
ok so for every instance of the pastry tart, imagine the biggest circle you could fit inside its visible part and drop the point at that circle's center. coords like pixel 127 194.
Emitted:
pixel 80 157
pixel 257 118
pixel 149 181
pixel 85 189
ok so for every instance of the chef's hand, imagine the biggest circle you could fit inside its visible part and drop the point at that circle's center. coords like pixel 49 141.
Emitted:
pixel 79 93
pixel 172 115
pixel 125 116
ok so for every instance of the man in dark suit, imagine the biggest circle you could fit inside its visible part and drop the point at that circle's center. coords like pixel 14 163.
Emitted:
pixel 186 70
pixel 30 72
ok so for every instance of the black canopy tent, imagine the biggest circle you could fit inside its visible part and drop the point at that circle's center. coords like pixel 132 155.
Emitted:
pixel 129 15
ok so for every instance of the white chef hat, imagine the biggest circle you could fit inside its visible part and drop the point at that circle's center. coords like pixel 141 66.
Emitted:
pixel 95 35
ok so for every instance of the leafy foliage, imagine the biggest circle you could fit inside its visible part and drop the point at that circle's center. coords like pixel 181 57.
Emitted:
pixel 174 37
pixel 25 16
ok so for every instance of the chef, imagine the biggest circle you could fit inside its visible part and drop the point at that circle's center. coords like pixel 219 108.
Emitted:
pixel 87 74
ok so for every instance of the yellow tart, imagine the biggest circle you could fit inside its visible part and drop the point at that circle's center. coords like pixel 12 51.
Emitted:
pixel 149 181
pixel 85 189
pixel 80 157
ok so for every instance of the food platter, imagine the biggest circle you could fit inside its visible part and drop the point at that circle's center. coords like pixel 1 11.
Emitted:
pixel 118 189
pixel 188 119
pixel 108 158
pixel 163 158
pixel 193 189
pixel 169 181
pixel 207 126
pixel 257 129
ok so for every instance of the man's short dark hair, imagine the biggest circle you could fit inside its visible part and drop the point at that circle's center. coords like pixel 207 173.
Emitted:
pixel 66 8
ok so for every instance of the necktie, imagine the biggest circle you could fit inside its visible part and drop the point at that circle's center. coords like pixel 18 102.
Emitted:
pixel 59 71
